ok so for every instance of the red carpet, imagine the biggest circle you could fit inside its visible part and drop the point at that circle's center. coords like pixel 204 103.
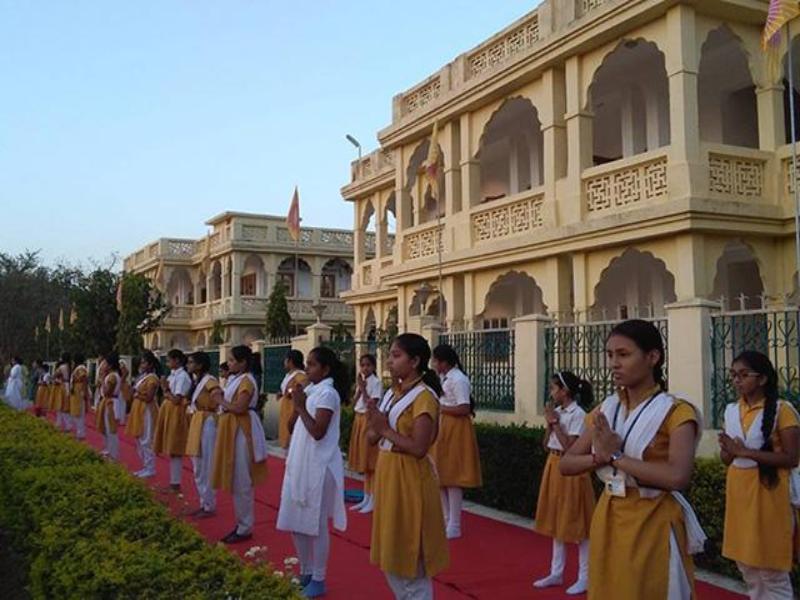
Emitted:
pixel 492 560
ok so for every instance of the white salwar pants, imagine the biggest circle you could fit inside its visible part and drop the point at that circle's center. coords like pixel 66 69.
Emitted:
pixel 420 588
pixel 766 584
pixel 243 493
pixel 313 550
pixel 111 439
pixel 203 464
pixel 144 445
pixel 175 468
pixel 79 422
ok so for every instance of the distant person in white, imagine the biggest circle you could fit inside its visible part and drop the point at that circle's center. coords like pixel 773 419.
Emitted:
pixel 14 385
pixel 313 483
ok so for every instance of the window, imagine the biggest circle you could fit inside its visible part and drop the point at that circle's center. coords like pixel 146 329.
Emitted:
pixel 288 282
pixel 248 284
pixel 203 295
pixel 328 285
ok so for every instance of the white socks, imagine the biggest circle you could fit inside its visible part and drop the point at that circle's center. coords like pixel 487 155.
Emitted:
pixel 556 576
pixel 366 505
pixel 452 501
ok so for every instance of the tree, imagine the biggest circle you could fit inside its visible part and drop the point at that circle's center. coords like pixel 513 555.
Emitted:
pixel 279 321
pixel 143 309
pixel 94 332
pixel 217 333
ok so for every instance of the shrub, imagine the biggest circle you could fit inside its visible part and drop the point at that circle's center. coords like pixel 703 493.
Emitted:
pixel 86 529
pixel 346 426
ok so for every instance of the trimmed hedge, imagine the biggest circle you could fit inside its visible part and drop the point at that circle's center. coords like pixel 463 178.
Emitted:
pixel 83 528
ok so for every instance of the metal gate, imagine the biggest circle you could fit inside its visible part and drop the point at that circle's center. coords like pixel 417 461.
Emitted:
pixel 272 367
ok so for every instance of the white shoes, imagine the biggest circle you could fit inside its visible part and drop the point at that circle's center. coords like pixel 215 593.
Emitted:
pixel 361 504
pixel 453 533
pixel 368 506
pixel 145 474
pixel 549 581
pixel 579 587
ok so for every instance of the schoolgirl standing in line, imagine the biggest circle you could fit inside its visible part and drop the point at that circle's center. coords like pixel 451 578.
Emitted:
pixel 361 455
pixel 642 443
pixel 565 506
pixel 106 412
pixel 125 391
pixel 63 418
pixel 455 452
pixel 408 532
pixel 144 412
pixel 79 396
pixel 172 426
pixel 206 396
pixel 760 445
pixel 240 451
pixel 293 365
pixel 313 483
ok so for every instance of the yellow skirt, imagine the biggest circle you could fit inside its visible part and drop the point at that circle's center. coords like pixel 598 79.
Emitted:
pixel 76 399
pixel 565 506
pixel 195 436
pixel 57 398
pixel 225 452
pixel 171 429
pixel 458 461
pixel 630 547
pixel 759 522
pixel 140 412
pixel 408 517
pixel 42 397
pixel 106 404
pixel 361 456
pixel 285 413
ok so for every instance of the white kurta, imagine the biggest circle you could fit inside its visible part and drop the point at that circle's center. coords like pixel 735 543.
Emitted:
pixel 14 385
pixel 306 465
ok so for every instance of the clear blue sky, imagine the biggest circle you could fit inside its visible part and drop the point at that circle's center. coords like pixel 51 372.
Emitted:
pixel 121 122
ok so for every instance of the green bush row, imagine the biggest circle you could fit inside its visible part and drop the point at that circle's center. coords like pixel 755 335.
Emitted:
pixel 82 528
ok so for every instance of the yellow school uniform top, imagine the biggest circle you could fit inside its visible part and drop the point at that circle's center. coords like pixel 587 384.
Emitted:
pixel 43 395
pixel 206 408
pixel 228 426
pixel 566 503
pixel 630 536
pixel 57 396
pixel 77 394
pixel 408 515
pixel 361 455
pixel 171 429
pixel 759 522
pixel 106 404
pixel 143 407
pixel 126 391
pixel 286 408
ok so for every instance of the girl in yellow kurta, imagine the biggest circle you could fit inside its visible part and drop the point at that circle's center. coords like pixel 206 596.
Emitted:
pixel 42 400
pixel 106 415
pixel 455 453
pixel 57 395
pixel 63 370
pixel 565 505
pixel 142 419
pixel 361 455
pixel 642 443
pixel 172 425
pixel 240 451
pixel 408 536
pixel 79 396
pixel 205 398
pixel 293 365
pixel 761 444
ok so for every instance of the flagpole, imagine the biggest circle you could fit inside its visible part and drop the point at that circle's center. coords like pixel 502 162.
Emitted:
pixel 438 239
pixel 792 120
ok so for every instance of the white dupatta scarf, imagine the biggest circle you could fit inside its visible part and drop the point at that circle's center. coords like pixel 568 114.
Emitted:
pixel 640 427
pixel 256 428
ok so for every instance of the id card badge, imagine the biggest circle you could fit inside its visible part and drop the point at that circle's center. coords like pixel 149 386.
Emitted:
pixel 616 485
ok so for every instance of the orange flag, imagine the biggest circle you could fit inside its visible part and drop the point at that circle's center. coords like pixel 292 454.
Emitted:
pixel 293 218
pixel 61 319
pixel 780 12
pixel 47 326
pixel 119 293
pixel 73 316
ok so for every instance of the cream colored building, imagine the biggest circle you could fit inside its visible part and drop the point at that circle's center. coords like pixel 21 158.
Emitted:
pixel 228 275
pixel 601 159
pixel 598 156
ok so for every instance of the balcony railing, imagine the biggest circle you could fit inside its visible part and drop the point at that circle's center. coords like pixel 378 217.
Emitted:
pixel 421 243
pixel 626 182
pixel 299 308
pixel 503 47
pixel 521 213
pixel 736 173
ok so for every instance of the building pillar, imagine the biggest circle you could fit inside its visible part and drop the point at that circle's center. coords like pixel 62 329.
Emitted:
pixel 687 170
pixel 554 137
pixel 530 368
pixel 580 142
pixel 470 167
pixel 450 142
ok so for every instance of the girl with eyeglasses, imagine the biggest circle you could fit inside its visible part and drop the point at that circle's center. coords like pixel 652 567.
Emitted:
pixel 760 444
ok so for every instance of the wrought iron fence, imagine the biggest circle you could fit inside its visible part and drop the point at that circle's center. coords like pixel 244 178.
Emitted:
pixel 775 333
pixel 488 359
pixel 272 371
pixel 581 348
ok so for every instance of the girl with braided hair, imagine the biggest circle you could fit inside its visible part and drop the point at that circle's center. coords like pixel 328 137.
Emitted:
pixel 760 445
